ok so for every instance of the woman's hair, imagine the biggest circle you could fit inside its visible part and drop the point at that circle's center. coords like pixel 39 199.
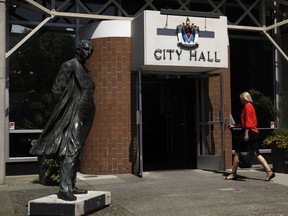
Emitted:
pixel 246 96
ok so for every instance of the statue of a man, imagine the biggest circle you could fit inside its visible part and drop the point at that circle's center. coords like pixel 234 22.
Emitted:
pixel 68 127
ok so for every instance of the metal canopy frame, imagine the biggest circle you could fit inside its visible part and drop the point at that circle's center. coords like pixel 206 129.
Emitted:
pixel 83 11
pixel 51 14
pixel 75 13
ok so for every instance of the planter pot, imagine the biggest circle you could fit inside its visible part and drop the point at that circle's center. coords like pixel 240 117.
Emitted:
pixel 280 160
pixel 45 179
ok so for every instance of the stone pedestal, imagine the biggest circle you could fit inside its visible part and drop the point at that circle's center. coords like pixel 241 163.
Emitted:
pixel 85 203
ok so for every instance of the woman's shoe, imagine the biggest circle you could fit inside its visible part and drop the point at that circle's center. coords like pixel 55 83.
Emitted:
pixel 270 176
pixel 232 176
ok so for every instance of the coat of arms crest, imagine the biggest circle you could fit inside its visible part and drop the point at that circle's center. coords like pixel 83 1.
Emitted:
pixel 187 35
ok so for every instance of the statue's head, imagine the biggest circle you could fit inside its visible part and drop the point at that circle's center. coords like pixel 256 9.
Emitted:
pixel 84 50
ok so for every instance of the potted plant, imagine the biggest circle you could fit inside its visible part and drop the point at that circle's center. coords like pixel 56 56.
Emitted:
pixel 278 142
pixel 49 169
pixel 49 173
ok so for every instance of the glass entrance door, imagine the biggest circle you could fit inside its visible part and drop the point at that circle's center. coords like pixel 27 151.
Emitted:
pixel 210 124
pixel 182 122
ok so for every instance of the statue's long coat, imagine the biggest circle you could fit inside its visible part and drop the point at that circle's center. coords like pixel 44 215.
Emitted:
pixel 58 136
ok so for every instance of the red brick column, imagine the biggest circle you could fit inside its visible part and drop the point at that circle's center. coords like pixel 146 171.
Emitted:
pixel 108 145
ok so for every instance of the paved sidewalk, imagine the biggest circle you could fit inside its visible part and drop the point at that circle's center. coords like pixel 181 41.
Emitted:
pixel 169 193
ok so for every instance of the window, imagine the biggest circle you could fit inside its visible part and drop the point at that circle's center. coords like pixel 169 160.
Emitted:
pixel 32 70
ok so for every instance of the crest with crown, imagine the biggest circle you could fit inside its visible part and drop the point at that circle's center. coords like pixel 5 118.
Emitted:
pixel 187 35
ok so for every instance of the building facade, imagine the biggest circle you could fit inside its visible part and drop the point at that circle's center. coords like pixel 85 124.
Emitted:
pixel 160 105
pixel 153 110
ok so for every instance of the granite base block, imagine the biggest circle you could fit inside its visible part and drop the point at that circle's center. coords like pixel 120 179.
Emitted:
pixel 85 203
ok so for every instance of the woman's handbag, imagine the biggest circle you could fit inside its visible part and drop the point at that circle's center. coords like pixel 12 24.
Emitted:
pixel 245 160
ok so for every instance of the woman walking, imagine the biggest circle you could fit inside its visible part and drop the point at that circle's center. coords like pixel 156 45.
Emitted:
pixel 250 134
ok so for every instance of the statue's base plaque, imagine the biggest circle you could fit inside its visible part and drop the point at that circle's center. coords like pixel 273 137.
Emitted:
pixel 85 203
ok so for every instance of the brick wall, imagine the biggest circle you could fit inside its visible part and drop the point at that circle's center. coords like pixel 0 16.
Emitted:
pixel 109 144
pixel 111 147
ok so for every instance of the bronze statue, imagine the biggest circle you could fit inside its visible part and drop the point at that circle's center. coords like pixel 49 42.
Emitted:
pixel 68 127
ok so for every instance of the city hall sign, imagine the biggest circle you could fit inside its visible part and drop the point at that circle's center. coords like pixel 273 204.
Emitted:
pixel 192 55
pixel 177 43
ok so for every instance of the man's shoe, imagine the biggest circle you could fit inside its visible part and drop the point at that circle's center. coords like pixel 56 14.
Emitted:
pixel 67 196
pixel 79 191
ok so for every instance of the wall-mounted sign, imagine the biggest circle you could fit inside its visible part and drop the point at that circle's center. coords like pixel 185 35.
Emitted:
pixel 178 43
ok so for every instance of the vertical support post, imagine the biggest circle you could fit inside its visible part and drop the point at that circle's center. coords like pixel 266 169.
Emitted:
pixel 278 72
pixel 222 121
pixel 140 126
pixel 197 95
pixel 77 22
pixel 2 89
pixel 262 14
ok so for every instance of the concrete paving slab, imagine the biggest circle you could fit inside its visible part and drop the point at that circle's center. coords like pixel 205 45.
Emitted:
pixel 6 204
pixel 169 193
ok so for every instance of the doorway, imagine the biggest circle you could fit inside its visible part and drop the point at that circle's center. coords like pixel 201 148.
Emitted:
pixel 168 116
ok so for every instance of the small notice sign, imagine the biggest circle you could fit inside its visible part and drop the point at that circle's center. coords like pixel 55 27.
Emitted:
pixel 12 125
